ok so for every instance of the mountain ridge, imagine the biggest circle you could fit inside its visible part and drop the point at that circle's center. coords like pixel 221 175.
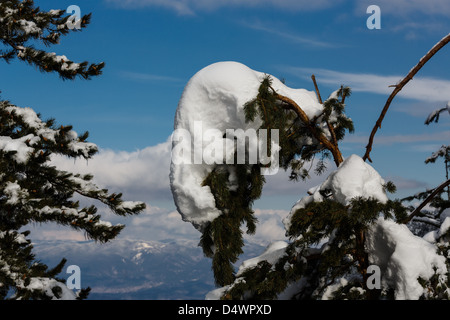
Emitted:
pixel 124 269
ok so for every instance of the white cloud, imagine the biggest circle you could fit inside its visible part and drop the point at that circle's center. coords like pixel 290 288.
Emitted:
pixel 142 174
pixel 401 138
pixel 270 226
pixel 406 184
pixel 190 7
pixel 159 224
pixel 420 88
pixel 289 36
pixel 54 232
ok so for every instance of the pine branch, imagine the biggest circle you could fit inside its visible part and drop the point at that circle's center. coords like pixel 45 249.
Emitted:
pixel 399 87
pixel 23 23
pixel 434 116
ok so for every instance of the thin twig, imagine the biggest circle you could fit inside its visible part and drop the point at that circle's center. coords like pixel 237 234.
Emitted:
pixel 330 127
pixel 399 87
pixel 313 77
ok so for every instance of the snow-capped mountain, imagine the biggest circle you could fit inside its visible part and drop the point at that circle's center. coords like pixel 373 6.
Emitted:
pixel 125 269
pixel 138 270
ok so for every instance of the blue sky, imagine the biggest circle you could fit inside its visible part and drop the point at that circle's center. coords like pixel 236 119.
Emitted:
pixel 153 47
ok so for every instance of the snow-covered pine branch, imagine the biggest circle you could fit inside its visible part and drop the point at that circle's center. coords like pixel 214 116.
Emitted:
pixel 233 100
pixel 22 25
pixel 30 279
pixel 31 185
pixel 434 116
pixel 337 232
pixel 31 188
pixel 443 152
pixel 322 258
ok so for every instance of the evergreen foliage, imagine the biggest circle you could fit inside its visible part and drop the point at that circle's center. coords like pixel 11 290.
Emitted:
pixel 23 24
pixel 327 255
pixel 299 137
pixel 222 238
pixel 431 220
pixel 326 244
pixel 342 226
pixel 32 190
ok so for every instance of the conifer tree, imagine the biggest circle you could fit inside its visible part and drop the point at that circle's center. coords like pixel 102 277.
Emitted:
pixel 432 222
pixel 276 111
pixel 309 225
pixel 31 188
pixel 336 234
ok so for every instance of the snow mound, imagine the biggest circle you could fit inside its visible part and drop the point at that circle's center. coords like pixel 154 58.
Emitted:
pixel 434 235
pixel 353 178
pixel 272 254
pixel 215 98
pixel 402 258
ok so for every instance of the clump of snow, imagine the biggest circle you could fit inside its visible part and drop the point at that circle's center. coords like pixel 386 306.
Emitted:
pixel 434 115
pixel 216 96
pixel 272 254
pixel 444 220
pixel 47 285
pixel 127 205
pixel 55 12
pixel 445 226
pixel 66 63
pixel 14 193
pixel 19 146
pixel 23 146
pixel 216 294
pixel 339 284
pixel 403 258
pixel 354 178
pixel 442 152
pixel 29 27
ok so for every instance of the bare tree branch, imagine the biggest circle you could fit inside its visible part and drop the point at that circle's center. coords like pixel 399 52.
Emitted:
pixel 399 87
pixel 313 77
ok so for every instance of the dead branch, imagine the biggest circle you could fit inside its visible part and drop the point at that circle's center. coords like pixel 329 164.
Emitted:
pixel 399 87
pixel 313 77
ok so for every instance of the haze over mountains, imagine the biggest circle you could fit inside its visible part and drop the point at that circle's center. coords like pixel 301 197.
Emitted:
pixel 137 270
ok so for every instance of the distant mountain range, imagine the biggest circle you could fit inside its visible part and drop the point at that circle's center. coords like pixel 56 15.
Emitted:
pixel 137 270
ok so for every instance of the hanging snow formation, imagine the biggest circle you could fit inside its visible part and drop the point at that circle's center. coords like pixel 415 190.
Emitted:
pixel 214 98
